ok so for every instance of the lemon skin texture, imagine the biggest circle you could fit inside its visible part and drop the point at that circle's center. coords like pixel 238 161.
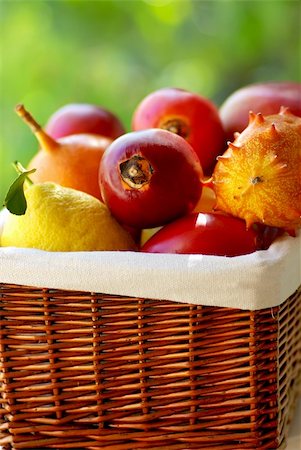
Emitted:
pixel 64 219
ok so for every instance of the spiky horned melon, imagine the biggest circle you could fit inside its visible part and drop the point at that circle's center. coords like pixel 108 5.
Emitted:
pixel 258 178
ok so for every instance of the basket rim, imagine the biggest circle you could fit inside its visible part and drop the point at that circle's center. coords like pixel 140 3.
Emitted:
pixel 255 281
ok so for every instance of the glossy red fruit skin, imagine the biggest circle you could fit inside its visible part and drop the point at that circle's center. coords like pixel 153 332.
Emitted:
pixel 266 98
pixel 203 125
pixel 78 118
pixel 207 234
pixel 174 186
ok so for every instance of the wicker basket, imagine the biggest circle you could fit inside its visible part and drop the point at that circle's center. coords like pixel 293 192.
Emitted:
pixel 93 371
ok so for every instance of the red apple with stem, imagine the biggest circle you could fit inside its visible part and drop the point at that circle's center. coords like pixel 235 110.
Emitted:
pixel 191 116
pixel 148 178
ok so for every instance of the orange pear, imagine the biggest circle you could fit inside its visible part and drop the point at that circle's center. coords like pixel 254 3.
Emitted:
pixel 71 161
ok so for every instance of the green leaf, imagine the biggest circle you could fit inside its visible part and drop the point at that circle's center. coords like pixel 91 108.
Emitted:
pixel 15 200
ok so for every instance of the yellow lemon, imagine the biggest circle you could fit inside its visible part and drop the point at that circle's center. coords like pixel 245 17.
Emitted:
pixel 64 219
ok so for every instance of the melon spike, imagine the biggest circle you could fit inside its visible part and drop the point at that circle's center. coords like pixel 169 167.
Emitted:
pixel 279 166
pixel 233 146
pixel 273 131
pixel 273 159
pixel 276 163
pixel 259 118
pixel 252 116
pixel 250 219
pixel 223 157
pixel 207 182
pixel 284 110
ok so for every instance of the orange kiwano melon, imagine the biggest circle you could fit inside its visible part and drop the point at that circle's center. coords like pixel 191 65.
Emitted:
pixel 258 178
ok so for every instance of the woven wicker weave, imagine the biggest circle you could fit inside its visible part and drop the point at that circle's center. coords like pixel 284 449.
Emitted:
pixel 83 371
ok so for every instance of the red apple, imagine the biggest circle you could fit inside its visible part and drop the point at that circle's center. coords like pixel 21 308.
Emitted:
pixel 78 118
pixel 150 177
pixel 266 98
pixel 210 234
pixel 191 116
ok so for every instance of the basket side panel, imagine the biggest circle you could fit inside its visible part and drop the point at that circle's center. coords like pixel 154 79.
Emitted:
pixel 96 371
pixel 289 361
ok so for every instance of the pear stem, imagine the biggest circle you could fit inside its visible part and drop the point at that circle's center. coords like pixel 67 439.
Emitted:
pixel 46 141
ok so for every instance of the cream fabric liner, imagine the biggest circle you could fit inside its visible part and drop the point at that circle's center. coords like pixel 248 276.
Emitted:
pixel 260 280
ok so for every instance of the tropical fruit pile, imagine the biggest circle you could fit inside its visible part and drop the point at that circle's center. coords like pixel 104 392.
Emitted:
pixel 187 178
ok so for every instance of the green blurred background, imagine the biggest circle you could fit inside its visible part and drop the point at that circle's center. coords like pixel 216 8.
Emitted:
pixel 113 53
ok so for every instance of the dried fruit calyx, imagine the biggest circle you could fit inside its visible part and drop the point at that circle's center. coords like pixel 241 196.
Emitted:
pixel 136 172
pixel 258 178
